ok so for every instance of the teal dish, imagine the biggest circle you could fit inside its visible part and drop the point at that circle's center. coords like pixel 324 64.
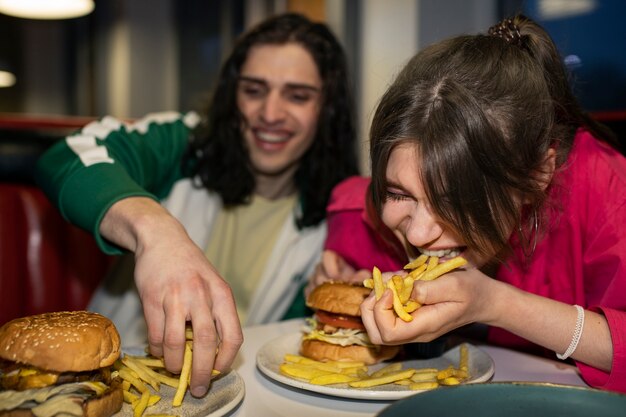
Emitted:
pixel 510 399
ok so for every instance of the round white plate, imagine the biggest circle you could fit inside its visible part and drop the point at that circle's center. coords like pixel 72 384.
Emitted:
pixel 271 355
pixel 225 393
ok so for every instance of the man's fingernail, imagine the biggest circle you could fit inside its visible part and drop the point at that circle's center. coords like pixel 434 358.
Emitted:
pixel 198 391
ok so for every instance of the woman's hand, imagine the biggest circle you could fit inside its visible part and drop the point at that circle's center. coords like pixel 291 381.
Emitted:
pixel 449 302
pixel 177 285
pixel 332 267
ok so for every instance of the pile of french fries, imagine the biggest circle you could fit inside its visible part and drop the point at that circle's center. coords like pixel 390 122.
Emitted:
pixel 423 268
pixel 143 375
pixel 358 375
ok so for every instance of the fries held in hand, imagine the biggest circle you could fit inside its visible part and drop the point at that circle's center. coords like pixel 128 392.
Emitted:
pixel 423 268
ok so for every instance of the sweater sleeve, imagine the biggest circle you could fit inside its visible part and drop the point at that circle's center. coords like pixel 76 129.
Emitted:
pixel 604 262
pixel 108 160
pixel 351 235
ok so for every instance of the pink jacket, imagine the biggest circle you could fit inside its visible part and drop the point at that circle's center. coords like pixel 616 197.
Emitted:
pixel 581 259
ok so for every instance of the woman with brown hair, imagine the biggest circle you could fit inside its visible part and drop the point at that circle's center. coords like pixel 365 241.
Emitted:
pixel 480 150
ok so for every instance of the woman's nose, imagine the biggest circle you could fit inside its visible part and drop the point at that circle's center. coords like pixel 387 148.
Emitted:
pixel 273 108
pixel 423 229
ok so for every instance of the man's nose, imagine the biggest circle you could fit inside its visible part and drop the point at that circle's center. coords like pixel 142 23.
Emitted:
pixel 273 108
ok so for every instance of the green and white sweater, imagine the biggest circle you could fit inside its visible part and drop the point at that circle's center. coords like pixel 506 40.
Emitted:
pixel 109 160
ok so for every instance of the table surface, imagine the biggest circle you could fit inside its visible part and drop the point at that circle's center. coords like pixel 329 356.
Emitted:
pixel 265 397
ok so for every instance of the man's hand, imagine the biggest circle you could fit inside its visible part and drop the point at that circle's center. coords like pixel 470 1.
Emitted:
pixel 177 285
pixel 332 267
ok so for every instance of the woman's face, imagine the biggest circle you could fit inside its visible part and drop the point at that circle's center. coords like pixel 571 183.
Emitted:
pixel 408 214
pixel 279 94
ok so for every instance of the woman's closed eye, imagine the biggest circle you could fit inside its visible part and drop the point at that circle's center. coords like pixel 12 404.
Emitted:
pixel 394 195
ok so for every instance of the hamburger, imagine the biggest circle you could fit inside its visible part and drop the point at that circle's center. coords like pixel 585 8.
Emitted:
pixel 336 331
pixel 57 364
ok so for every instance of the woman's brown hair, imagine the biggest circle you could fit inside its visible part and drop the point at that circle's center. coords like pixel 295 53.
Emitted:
pixel 482 111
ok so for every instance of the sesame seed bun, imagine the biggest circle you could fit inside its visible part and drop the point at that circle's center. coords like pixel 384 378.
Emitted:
pixel 69 341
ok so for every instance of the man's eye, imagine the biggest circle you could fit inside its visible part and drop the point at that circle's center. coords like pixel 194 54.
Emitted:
pixel 299 97
pixel 252 91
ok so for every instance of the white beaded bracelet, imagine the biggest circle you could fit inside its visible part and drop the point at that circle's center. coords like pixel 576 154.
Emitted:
pixel 578 331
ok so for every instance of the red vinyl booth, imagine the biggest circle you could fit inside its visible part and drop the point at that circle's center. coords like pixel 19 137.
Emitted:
pixel 46 264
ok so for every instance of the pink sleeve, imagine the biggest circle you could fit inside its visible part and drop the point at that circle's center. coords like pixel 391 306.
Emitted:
pixel 616 379
pixel 349 232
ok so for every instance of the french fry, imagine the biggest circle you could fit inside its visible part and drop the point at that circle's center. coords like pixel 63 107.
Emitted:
pixel 464 359
pixel 417 272
pixel 148 361
pixel 397 305
pixel 379 287
pixel 407 288
pixel 411 306
pixel 423 386
pixel 184 376
pixel 140 406
pixel 403 382
pixel 188 333
pixel 443 268
pixel 129 397
pixel 142 372
pixel 301 371
pixel 368 283
pixel 127 375
pixel 451 380
pixel 445 373
pixel 382 380
pixel 329 379
pixel 433 261
pixel 392 367
pixel 417 262
pixel 424 376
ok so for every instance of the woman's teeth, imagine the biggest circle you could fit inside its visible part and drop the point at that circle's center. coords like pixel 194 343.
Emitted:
pixel 450 253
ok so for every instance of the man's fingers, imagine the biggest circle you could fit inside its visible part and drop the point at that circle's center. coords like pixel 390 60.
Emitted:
pixel 205 345
pixel 155 322
pixel 229 330
pixel 331 264
pixel 174 339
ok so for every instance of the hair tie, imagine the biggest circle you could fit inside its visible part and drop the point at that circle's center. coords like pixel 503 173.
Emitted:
pixel 508 31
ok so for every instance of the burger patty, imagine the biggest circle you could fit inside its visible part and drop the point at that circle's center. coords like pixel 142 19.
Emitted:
pixel 14 377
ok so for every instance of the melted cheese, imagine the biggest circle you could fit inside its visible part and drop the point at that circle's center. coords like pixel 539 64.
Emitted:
pixel 52 401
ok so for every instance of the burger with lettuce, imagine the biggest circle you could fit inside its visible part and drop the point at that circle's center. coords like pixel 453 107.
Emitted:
pixel 59 364
pixel 336 331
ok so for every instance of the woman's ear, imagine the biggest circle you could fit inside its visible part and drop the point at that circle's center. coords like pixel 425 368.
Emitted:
pixel 546 170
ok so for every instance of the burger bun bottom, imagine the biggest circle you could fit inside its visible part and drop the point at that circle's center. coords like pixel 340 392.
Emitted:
pixel 320 351
pixel 105 405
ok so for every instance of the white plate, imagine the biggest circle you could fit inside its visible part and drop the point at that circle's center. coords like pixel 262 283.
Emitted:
pixel 271 355
pixel 225 393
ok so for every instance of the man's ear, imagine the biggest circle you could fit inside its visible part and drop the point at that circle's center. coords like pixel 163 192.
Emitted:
pixel 546 170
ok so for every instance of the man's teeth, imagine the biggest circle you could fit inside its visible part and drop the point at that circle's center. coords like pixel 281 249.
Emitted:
pixel 451 253
pixel 269 137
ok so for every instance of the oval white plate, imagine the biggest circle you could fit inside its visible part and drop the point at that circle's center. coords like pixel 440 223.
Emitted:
pixel 270 357
pixel 225 393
